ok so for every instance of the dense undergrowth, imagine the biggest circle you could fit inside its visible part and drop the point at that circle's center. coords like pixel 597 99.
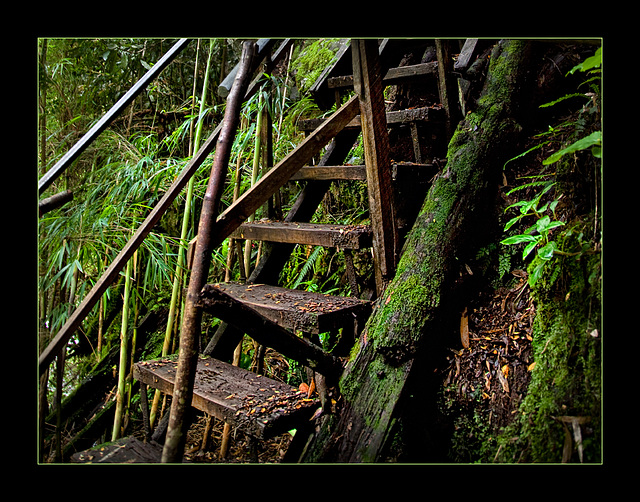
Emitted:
pixel 552 243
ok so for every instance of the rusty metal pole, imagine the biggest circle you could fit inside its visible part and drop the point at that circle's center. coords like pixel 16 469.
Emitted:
pixel 192 316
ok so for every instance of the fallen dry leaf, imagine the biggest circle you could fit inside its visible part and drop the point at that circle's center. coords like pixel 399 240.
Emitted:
pixel 464 329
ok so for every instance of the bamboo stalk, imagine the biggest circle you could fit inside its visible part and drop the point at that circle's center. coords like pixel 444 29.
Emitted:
pixel 122 373
pixel 236 194
pixel 254 179
pixel 134 336
pixel 192 315
pixel 177 277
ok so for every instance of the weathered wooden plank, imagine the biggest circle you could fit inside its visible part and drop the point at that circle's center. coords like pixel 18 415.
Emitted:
pixel 257 195
pixel 335 236
pixel 356 172
pixel 260 406
pixel 239 306
pixel 398 117
pixel 368 87
pixel 294 309
pixel 466 54
pixel 401 74
pixel 263 46
pixel 129 450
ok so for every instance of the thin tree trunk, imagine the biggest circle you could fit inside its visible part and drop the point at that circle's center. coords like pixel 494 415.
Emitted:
pixel 192 315
pixel 60 370
pixel 410 321
pixel 134 336
pixel 102 310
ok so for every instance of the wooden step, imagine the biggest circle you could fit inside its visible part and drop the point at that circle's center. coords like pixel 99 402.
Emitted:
pixel 337 236
pixel 358 172
pixel 395 118
pixel 129 450
pixel 294 309
pixel 260 406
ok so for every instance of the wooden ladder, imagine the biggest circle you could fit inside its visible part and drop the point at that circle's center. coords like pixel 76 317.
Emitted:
pixel 271 315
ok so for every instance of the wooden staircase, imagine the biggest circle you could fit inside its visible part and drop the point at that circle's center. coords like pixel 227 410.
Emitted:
pixel 273 316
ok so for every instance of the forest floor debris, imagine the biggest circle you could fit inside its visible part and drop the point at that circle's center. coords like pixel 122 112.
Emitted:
pixel 485 383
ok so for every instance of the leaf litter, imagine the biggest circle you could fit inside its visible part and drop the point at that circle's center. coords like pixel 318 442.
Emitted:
pixel 492 369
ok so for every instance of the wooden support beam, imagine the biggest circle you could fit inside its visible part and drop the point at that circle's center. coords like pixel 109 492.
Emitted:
pixel 55 201
pixel 264 45
pixel 368 87
pixel 466 55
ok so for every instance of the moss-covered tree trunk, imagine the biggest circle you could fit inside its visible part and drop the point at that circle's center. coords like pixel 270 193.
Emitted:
pixel 408 320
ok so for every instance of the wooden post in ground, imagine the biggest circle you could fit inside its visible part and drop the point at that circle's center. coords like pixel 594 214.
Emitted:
pixel 367 81
pixel 190 332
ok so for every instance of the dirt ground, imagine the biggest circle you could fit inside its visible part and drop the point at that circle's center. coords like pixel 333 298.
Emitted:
pixel 485 382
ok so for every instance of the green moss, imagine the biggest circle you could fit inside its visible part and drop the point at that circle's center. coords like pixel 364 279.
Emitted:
pixel 312 61
pixel 566 379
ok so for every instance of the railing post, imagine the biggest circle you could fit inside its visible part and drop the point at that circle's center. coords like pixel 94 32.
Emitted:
pixel 367 80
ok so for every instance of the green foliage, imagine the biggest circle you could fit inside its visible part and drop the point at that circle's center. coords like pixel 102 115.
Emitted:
pixel 565 275
pixel 120 178
pixel 538 235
